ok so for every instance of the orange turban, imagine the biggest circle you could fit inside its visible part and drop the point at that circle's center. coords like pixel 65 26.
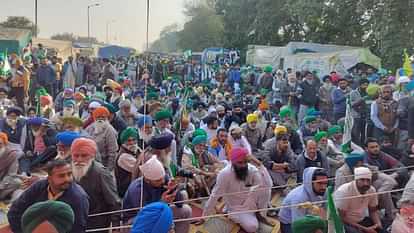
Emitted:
pixel 84 146
pixel 4 138
pixel 263 106
pixel 100 112
pixel 45 99
pixel 79 96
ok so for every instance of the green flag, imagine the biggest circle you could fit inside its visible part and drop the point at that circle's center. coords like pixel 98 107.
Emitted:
pixel 187 54
pixel 335 224
pixel 349 123
pixel 5 65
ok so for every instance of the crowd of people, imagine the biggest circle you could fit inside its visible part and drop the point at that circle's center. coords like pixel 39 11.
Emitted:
pixel 132 144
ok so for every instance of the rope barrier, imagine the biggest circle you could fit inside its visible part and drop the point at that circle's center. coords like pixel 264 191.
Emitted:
pixel 235 193
pixel 256 210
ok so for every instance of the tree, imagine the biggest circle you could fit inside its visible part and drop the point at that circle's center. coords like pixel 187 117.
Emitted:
pixel 168 40
pixel 203 29
pixel 20 22
pixel 64 36
pixel 73 38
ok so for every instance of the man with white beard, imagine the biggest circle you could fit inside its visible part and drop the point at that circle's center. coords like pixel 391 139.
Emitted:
pixel 64 142
pixel 68 111
pixel 105 136
pixel 98 183
pixel 145 131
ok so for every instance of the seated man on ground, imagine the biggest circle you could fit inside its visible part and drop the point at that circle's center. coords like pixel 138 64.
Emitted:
pixel 314 187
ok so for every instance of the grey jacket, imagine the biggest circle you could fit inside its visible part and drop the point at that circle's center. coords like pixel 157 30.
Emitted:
pixel 301 164
pixel 107 144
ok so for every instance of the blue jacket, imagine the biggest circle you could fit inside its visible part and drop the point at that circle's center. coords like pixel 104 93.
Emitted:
pixel 132 198
pixel 339 101
pixel 74 196
pixel 301 194
pixel 45 75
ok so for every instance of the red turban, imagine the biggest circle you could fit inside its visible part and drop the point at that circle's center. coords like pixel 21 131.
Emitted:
pixel 238 154
pixel 4 138
pixel 100 112
pixel 84 146
pixel 45 99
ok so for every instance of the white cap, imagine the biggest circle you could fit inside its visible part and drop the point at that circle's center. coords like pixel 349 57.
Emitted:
pixel 153 169
pixel 94 104
pixel 211 109
pixel 362 173
pixel 404 79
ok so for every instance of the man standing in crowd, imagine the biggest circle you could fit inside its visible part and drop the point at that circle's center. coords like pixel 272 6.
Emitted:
pixel 308 94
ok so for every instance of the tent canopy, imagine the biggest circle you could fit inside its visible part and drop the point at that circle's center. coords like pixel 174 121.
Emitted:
pixel 114 51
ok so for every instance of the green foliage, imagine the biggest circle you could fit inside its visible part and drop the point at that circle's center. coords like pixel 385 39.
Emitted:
pixel 19 22
pixel 168 40
pixel 384 26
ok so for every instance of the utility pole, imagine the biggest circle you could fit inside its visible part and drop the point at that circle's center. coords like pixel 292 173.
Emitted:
pixel 35 29
pixel 89 26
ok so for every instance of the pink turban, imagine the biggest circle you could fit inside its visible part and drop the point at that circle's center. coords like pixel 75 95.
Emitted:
pixel 238 154
pixel 45 99
pixel 84 146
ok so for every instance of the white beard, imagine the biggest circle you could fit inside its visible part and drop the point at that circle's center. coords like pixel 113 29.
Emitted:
pixel 2 151
pixel 80 170
pixel 144 136
pixel 66 113
pixel 100 127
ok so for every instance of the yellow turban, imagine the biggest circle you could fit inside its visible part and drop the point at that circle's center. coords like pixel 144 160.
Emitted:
pixel 251 118
pixel 280 129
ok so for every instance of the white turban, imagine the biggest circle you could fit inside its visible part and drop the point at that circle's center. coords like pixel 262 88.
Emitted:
pixel 362 173
pixel 404 79
pixel 94 104
pixel 153 169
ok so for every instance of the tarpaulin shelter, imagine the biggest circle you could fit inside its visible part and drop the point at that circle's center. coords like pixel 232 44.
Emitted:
pixel 340 61
pixel 63 48
pixel 114 51
pixel 13 40
pixel 321 58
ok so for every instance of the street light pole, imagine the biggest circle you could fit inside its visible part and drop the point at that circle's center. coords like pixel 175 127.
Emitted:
pixel 89 26
pixel 35 29
pixel 107 30
pixel 148 11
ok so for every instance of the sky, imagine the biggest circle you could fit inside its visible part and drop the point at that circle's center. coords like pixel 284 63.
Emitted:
pixel 128 18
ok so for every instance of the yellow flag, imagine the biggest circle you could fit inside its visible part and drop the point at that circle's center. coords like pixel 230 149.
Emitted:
pixel 408 68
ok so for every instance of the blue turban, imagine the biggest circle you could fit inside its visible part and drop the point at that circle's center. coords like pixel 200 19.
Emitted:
pixel 67 137
pixel 352 159
pixel 37 121
pixel 144 120
pixel 156 217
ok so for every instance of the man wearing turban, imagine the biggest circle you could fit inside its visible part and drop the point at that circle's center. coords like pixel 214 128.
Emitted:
pixel 198 160
pixel 15 128
pixel 279 158
pixel 126 159
pixel 252 132
pixel 59 186
pixel 156 217
pixel 48 216
pixel 8 168
pixel 155 186
pixel 97 181
pixel 105 136
pixel 64 142
pixel 236 177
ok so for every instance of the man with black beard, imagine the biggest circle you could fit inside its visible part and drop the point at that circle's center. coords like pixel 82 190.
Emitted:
pixel 353 210
pixel 315 181
pixel 239 176
pixel 58 186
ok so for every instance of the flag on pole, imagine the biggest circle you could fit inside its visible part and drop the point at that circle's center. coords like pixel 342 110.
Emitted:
pixel 335 224
pixel 5 66
pixel 349 123
pixel 187 54
pixel 407 67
